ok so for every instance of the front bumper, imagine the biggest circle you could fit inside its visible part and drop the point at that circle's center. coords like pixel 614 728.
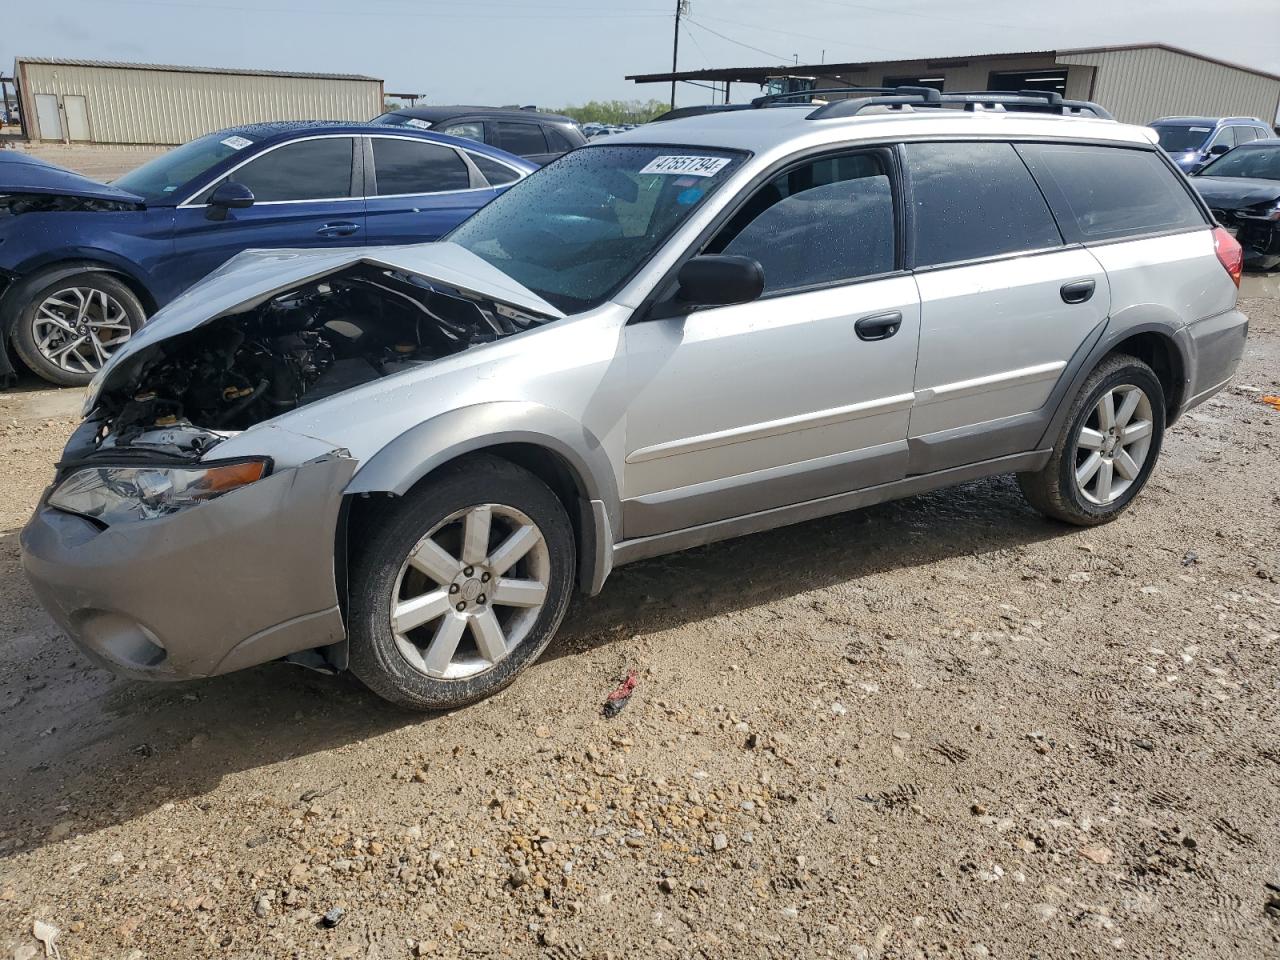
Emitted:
pixel 240 580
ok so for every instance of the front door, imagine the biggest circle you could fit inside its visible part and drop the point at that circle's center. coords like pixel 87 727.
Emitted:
pixel 418 191
pixel 1004 304
pixel 306 194
pixel 801 394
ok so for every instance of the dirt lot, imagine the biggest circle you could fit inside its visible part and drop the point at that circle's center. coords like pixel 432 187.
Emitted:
pixel 938 728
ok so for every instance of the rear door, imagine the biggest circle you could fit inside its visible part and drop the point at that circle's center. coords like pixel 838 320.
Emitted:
pixel 523 138
pixel 1005 304
pixel 418 190
pixel 306 194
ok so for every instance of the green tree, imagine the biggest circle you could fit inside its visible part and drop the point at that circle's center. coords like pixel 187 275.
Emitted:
pixel 615 111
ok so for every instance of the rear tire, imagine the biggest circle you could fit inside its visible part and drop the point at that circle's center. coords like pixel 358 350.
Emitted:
pixel 460 585
pixel 67 327
pixel 1107 449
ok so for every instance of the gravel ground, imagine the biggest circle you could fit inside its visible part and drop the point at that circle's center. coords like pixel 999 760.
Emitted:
pixel 942 727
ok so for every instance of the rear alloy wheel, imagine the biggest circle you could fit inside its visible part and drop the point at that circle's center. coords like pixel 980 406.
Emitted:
pixel 459 585
pixel 1107 448
pixel 72 326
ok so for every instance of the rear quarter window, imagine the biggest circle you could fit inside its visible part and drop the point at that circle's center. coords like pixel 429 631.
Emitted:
pixel 1108 193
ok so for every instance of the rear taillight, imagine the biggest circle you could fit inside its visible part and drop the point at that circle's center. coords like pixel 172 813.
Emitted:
pixel 1230 254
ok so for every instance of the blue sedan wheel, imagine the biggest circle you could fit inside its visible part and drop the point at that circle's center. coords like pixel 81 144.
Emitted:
pixel 72 326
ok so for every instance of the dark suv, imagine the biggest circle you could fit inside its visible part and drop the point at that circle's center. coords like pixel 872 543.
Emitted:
pixel 1194 141
pixel 540 137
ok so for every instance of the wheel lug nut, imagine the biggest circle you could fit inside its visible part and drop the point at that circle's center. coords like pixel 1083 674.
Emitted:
pixel 484 578
pixel 453 588
pixel 468 570
pixel 480 599
pixel 462 606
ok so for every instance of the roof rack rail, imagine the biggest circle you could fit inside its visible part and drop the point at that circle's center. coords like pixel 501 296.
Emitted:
pixel 773 98
pixel 1027 101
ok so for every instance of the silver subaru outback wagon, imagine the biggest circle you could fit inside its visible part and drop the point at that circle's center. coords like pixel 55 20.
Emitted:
pixel 402 460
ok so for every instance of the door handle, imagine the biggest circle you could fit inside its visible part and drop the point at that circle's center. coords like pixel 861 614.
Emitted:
pixel 343 228
pixel 880 327
pixel 1078 291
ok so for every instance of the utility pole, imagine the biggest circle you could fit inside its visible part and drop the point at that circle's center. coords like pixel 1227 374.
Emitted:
pixel 682 10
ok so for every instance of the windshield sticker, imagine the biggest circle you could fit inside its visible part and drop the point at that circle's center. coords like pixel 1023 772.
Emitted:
pixel 1201 129
pixel 689 196
pixel 687 166
pixel 419 124
pixel 237 143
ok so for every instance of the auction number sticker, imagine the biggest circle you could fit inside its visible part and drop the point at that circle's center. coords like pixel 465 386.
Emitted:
pixel 237 143
pixel 687 166
pixel 418 124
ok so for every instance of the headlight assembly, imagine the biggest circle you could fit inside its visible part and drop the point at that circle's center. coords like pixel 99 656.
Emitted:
pixel 121 494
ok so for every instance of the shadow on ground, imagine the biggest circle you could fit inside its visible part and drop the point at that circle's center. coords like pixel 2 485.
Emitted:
pixel 87 747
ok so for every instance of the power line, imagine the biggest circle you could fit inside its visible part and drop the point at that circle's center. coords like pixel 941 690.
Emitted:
pixel 700 26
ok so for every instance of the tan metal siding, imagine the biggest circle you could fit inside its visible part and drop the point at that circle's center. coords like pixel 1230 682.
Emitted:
pixel 170 107
pixel 1139 86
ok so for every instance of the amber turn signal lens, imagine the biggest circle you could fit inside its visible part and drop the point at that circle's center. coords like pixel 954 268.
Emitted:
pixel 220 479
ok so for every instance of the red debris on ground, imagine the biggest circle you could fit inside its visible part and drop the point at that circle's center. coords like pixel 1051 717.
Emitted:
pixel 614 703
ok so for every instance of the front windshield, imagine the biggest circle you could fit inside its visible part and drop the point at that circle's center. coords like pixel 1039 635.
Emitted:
pixel 1256 163
pixel 158 180
pixel 1180 138
pixel 577 230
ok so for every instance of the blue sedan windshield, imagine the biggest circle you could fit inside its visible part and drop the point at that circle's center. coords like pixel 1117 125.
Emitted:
pixel 157 180
pixel 580 227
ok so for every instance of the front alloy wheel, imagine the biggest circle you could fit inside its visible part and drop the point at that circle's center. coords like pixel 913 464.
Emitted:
pixel 459 585
pixel 68 326
pixel 77 328
pixel 470 591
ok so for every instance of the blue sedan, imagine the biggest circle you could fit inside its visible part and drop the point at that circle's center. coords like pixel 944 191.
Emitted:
pixel 82 263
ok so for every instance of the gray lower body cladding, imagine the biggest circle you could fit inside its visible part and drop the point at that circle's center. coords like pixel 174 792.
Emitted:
pixel 237 581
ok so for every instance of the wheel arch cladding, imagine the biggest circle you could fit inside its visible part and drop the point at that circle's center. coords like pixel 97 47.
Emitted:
pixel 552 446
pixel 1158 350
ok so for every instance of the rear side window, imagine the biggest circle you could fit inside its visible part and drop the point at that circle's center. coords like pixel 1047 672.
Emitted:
pixel 496 173
pixel 556 140
pixel 824 222
pixel 974 200
pixel 411 166
pixel 1104 193
pixel 307 170
pixel 522 139
pixel 470 129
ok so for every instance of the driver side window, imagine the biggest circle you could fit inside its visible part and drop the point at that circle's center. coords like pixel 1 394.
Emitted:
pixel 821 223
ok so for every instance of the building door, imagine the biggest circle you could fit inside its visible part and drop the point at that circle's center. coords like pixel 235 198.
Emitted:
pixel 77 108
pixel 47 117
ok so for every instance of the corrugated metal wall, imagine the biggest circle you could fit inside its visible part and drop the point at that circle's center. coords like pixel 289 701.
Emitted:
pixel 1138 86
pixel 170 107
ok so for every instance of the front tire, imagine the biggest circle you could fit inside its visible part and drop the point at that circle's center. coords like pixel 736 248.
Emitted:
pixel 68 327
pixel 1107 448
pixel 460 585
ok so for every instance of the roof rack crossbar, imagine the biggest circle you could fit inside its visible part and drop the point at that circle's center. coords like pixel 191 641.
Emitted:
pixel 770 99
pixel 1029 101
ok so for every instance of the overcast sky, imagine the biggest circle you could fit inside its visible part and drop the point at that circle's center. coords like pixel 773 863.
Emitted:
pixel 562 52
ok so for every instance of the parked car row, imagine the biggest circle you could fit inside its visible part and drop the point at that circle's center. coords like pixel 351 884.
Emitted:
pixel 410 456
pixel 536 136
pixel 83 263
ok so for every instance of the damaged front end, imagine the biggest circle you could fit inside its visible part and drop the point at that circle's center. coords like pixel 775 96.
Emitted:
pixel 367 321
pixel 164 559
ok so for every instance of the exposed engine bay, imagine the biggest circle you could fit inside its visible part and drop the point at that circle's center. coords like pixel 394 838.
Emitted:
pixel 299 346
pixel 13 204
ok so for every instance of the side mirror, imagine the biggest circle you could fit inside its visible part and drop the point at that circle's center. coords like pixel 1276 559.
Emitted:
pixel 717 280
pixel 1218 149
pixel 228 195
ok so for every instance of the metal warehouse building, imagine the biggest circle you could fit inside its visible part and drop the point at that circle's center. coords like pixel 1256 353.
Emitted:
pixel 94 101
pixel 1136 82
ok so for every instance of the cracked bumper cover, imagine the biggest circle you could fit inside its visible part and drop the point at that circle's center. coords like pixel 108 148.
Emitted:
pixel 238 581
